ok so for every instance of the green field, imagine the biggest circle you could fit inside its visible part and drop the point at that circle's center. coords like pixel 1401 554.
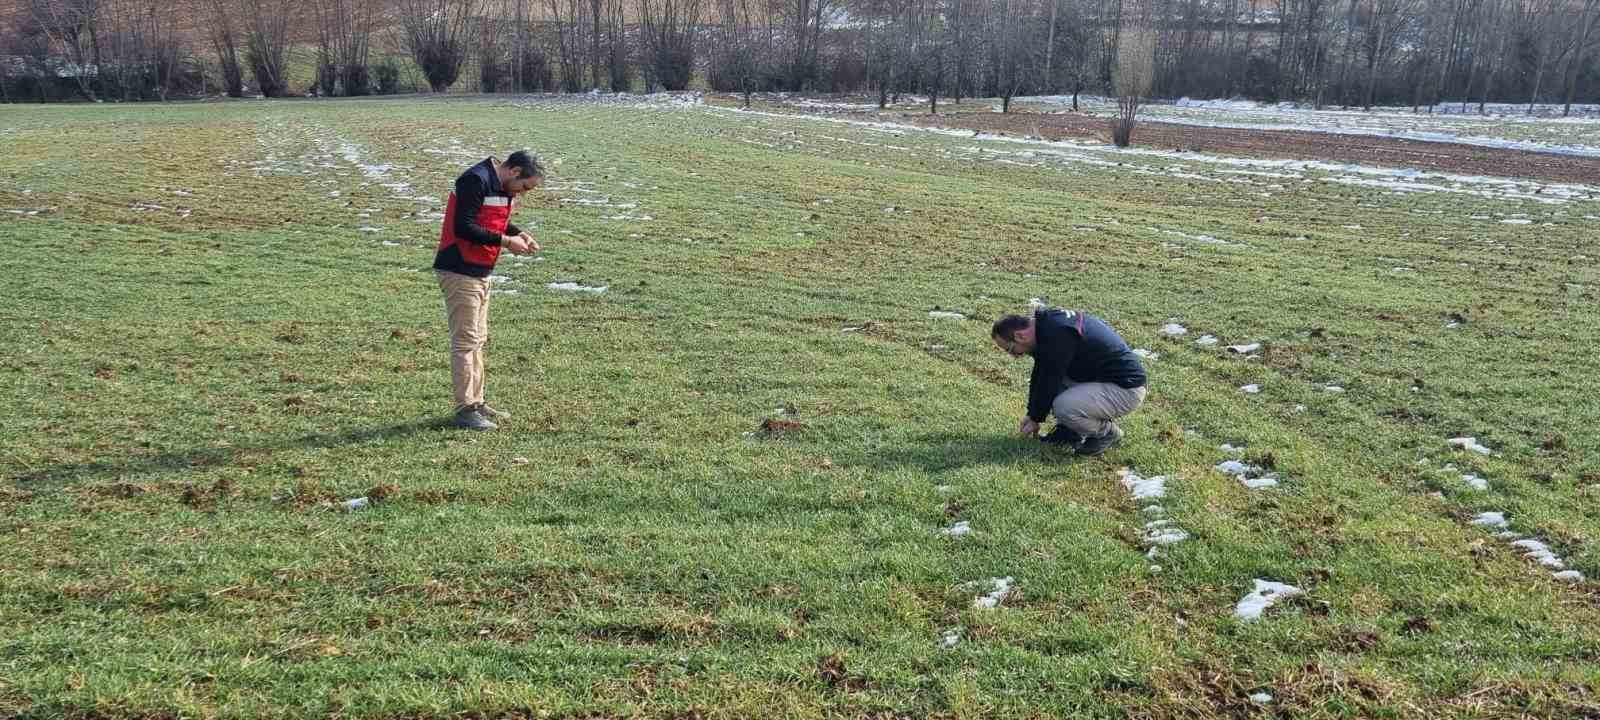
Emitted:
pixel 220 322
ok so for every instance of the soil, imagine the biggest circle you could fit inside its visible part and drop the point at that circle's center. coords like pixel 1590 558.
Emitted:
pixel 1280 144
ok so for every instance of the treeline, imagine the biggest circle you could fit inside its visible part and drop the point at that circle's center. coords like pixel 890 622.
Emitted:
pixel 1323 52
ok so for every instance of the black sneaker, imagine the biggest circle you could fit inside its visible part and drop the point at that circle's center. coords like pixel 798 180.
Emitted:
pixel 1062 436
pixel 1097 445
pixel 470 419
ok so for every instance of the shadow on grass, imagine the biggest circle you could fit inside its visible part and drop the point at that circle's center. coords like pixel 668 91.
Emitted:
pixel 211 457
pixel 943 452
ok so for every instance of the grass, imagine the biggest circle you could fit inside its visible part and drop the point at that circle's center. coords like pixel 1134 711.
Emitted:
pixel 190 385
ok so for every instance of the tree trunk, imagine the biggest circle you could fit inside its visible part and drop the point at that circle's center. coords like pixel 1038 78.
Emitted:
pixel 1372 61
pixel 594 43
pixel 1578 54
pixel 1232 15
pixel 1249 42
pixel 1494 68
pixel 1349 54
pixel 1050 46
pixel 518 83
pixel 1538 75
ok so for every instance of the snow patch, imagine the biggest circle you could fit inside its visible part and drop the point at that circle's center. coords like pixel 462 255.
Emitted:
pixel 1265 595
pixel 576 287
pixel 1002 590
pixel 1470 443
pixel 1141 487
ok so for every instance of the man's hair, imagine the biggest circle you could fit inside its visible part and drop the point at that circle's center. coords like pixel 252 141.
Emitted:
pixel 526 163
pixel 1006 328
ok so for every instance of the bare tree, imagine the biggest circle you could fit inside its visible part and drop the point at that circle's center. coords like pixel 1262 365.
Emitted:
pixel 1109 18
pixel 805 32
pixel 73 26
pixel 1586 22
pixel 566 15
pixel 889 46
pixel 669 38
pixel 1050 47
pixel 1135 68
pixel 596 12
pixel 1498 28
pixel 436 33
pixel 1540 31
pixel 1012 47
pixel 933 49
pixel 737 57
pixel 224 38
pixel 160 47
pixel 619 65
pixel 266 37
pixel 344 32
pixel 1387 15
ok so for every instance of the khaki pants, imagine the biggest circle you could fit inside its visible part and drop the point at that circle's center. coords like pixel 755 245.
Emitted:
pixel 1090 408
pixel 466 304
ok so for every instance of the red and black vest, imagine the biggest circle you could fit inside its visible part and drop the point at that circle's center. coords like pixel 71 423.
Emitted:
pixel 473 254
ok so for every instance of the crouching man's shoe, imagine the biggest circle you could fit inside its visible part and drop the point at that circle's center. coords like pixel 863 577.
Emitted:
pixel 1097 445
pixel 1063 437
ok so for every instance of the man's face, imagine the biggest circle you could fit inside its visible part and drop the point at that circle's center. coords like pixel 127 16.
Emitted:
pixel 518 186
pixel 1021 343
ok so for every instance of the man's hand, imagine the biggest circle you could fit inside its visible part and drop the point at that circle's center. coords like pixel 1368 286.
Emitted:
pixel 533 244
pixel 1029 428
pixel 515 244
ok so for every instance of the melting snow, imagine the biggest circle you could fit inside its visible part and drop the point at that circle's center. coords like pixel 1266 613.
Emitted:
pixel 1162 535
pixel 1234 467
pixel 1495 520
pixel 1002 589
pixel 957 530
pixel 1174 330
pixel 1143 488
pixel 1539 551
pixel 1265 595
pixel 575 287
pixel 1471 443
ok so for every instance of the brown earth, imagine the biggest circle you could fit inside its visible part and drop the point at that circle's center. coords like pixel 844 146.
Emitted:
pixel 1281 144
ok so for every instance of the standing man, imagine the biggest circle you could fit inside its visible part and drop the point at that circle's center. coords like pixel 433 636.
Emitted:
pixel 1083 372
pixel 477 224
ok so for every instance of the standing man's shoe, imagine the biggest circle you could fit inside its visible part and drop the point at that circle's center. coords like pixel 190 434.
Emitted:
pixel 492 413
pixel 470 419
pixel 1097 445
pixel 1063 437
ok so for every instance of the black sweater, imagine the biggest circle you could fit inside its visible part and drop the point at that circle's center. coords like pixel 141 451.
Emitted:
pixel 477 182
pixel 1073 346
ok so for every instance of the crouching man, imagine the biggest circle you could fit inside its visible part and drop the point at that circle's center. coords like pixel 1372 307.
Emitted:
pixel 1083 373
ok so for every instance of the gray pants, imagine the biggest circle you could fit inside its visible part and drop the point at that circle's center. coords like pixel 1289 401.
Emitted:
pixel 1090 408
